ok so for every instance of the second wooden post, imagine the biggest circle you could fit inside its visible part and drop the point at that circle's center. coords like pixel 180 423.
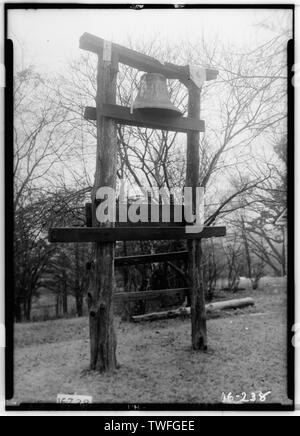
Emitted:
pixel 195 273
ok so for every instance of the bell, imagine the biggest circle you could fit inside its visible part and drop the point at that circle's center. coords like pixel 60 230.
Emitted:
pixel 153 96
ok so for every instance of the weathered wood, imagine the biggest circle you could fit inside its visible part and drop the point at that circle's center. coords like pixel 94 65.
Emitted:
pixel 198 313
pixel 150 295
pixel 141 61
pixel 186 311
pixel 102 281
pixel 138 118
pixel 150 258
pixel 97 234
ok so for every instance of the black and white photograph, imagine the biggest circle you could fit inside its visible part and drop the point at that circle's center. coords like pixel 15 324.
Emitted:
pixel 149 207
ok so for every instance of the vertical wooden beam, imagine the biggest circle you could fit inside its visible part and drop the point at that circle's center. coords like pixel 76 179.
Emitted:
pixel 102 283
pixel 198 312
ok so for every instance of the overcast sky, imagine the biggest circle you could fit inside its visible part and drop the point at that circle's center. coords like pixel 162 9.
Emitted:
pixel 48 38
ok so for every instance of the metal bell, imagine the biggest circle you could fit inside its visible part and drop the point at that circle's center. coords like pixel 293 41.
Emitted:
pixel 153 96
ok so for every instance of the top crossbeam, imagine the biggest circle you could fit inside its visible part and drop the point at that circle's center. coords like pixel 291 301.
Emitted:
pixel 141 61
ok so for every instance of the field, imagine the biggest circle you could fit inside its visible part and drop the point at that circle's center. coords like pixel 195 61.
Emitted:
pixel 247 353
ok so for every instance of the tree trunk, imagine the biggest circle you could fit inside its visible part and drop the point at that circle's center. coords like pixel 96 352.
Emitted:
pixel 198 313
pixel 126 309
pixel 102 283
pixel 58 305
pixel 79 304
pixel 247 249
pixel 18 310
pixel 65 295
pixel 27 307
pixel 78 289
pixel 125 270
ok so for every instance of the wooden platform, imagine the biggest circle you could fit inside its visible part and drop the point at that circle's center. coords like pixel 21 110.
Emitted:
pixel 97 234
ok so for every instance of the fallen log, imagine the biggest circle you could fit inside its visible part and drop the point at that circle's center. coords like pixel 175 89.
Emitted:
pixel 186 311
pixel 230 304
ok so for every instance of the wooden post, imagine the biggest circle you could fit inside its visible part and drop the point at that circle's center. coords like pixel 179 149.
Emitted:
pixel 100 295
pixel 198 312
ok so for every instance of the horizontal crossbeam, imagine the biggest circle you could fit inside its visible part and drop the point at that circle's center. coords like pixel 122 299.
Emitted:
pixel 122 115
pixel 97 234
pixel 141 61
pixel 134 296
pixel 150 258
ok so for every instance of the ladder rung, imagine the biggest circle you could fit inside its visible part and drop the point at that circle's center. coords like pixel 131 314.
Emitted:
pixel 150 258
pixel 133 296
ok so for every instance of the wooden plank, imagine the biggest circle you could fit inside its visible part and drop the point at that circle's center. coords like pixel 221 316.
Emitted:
pixel 141 61
pixel 97 234
pixel 211 73
pixel 122 115
pixel 150 258
pixel 90 113
pixel 150 295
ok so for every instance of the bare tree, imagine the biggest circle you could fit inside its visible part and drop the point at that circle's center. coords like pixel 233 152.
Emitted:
pixel 242 109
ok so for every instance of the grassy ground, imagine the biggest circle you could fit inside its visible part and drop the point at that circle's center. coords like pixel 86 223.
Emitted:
pixel 247 353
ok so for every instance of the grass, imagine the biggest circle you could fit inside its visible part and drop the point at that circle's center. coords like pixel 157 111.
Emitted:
pixel 247 353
